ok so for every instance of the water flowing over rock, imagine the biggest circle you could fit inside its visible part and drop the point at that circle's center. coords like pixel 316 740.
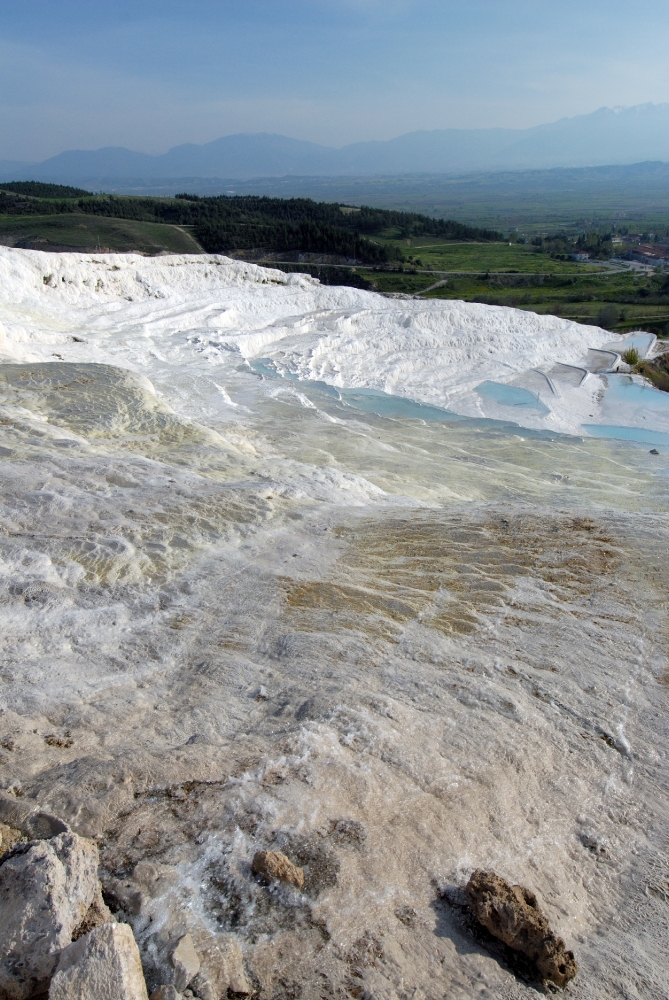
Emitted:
pixel 512 914
pixel 274 574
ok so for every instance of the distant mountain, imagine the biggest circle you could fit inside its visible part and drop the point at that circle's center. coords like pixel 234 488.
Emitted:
pixel 607 136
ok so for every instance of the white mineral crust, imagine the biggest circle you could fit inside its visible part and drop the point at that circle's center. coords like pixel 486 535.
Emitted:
pixel 243 612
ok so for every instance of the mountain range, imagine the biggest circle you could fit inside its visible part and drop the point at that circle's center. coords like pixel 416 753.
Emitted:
pixel 607 136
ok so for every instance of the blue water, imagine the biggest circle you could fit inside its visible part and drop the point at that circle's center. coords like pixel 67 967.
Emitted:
pixel 623 399
pixel 639 434
pixel 383 404
pixel 624 391
pixel 386 405
pixel 642 341
pixel 627 400
pixel 511 395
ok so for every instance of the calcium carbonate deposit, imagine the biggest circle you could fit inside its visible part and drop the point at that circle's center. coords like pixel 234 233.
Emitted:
pixel 377 583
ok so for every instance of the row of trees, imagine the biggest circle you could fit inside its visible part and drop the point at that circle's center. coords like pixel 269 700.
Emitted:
pixel 304 237
pixel 597 245
pixel 225 223
pixel 37 189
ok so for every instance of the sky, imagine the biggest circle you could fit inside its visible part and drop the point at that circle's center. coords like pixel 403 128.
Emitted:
pixel 151 74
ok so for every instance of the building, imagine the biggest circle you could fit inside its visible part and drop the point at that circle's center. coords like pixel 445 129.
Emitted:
pixel 652 256
pixel 581 255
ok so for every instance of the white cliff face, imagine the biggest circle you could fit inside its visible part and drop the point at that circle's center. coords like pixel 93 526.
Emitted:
pixel 242 612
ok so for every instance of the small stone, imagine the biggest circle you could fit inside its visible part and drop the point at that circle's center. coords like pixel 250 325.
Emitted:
pixel 46 889
pixel 654 451
pixel 185 962
pixel 275 866
pixel 512 914
pixel 165 993
pixel 124 896
pixel 103 964
pixel 9 836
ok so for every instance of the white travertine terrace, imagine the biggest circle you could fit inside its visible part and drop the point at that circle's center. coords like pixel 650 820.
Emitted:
pixel 241 612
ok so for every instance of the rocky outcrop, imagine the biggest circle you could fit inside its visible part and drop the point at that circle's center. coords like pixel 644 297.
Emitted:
pixel 103 964
pixel 47 888
pixel 657 371
pixel 512 914
pixel 276 867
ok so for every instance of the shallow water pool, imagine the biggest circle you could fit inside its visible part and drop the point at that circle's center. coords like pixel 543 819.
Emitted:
pixel 511 395
pixel 383 404
pixel 641 435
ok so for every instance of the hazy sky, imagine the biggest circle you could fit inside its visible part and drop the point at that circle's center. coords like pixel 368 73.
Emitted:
pixel 150 74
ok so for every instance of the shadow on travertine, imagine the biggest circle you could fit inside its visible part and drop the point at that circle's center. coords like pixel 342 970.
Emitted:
pixel 457 923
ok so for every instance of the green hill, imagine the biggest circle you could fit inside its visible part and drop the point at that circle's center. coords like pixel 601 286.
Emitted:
pixel 244 225
pixel 37 189
pixel 90 234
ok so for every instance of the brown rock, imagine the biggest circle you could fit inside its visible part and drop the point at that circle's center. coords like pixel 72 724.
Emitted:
pixel 97 914
pixel 9 836
pixel 512 914
pixel 275 866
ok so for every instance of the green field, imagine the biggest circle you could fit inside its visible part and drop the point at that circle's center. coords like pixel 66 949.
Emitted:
pixel 91 233
pixel 432 254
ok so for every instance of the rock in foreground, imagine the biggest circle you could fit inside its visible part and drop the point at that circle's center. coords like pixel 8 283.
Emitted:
pixel 512 914
pixel 185 962
pixel 47 888
pixel 275 866
pixel 103 965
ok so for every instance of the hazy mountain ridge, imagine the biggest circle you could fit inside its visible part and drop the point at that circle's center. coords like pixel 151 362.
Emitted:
pixel 607 136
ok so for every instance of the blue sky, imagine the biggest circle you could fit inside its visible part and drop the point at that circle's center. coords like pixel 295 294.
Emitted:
pixel 150 75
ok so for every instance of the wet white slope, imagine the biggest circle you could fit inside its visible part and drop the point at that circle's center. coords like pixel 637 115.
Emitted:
pixel 173 307
pixel 236 613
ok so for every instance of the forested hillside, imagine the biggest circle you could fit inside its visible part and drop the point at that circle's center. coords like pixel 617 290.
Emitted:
pixel 242 223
